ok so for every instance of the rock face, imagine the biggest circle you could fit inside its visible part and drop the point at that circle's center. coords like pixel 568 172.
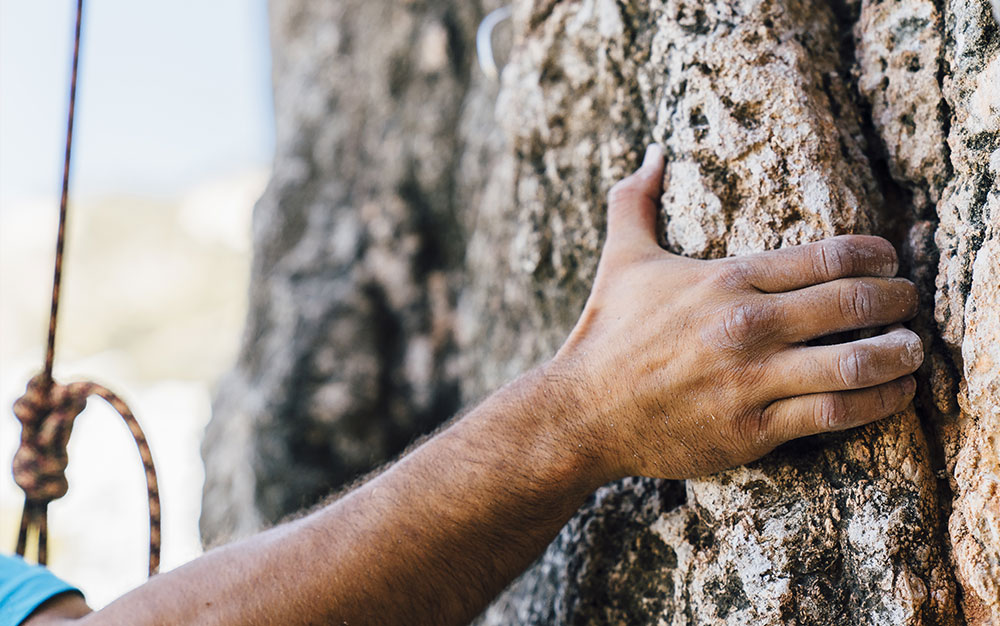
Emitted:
pixel 357 241
pixel 414 251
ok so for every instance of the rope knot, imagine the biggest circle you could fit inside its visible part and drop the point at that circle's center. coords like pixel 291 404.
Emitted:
pixel 46 412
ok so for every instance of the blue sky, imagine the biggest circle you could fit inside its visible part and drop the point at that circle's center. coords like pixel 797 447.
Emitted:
pixel 172 94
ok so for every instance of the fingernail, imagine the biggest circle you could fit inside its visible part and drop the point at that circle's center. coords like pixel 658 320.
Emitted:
pixel 891 266
pixel 653 152
pixel 909 385
pixel 914 351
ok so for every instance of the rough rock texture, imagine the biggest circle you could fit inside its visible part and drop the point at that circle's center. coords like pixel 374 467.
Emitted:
pixel 975 522
pixel 968 301
pixel 357 239
pixel 785 121
pixel 898 48
pixel 940 121
pixel 766 149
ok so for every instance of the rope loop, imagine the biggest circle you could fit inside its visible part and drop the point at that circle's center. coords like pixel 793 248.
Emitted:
pixel 47 411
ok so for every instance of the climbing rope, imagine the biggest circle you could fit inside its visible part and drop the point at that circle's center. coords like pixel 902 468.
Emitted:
pixel 47 409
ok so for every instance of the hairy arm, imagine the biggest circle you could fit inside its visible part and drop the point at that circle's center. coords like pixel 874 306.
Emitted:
pixel 428 541
pixel 677 368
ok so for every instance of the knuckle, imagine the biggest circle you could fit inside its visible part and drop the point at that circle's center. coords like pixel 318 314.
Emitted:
pixel 857 301
pixel 832 258
pixel 743 324
pixel 733 273
pixel 765 428
pixel 884 399
pixel 749 426
pixel 850 368
pixel 831 412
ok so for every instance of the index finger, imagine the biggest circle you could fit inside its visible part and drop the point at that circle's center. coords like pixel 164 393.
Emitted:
pixel 800 266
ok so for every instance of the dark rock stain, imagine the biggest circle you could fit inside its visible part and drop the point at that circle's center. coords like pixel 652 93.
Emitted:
pixel 728 594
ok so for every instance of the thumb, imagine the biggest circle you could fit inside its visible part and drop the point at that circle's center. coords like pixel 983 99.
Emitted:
pixel 632 203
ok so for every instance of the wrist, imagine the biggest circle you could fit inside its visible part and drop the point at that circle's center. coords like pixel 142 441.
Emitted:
pixel 568 425
pixel 597 405
pixel 537 422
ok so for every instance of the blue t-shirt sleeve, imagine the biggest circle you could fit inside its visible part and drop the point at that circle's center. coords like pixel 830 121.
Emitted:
pixel 24 587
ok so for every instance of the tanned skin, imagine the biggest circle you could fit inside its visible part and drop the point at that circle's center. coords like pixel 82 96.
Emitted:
pixel 677 368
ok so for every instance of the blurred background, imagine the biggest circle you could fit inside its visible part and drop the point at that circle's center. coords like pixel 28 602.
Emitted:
pixel 172 146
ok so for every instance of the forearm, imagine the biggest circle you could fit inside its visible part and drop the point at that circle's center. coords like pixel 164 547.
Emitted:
pixel 679 368
pixel 431 540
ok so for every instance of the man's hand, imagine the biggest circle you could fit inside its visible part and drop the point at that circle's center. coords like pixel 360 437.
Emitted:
pixel 685 367
pixel 677 367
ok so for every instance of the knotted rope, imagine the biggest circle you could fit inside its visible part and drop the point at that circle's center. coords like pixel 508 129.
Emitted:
pixel 47 409
pixel 46 412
